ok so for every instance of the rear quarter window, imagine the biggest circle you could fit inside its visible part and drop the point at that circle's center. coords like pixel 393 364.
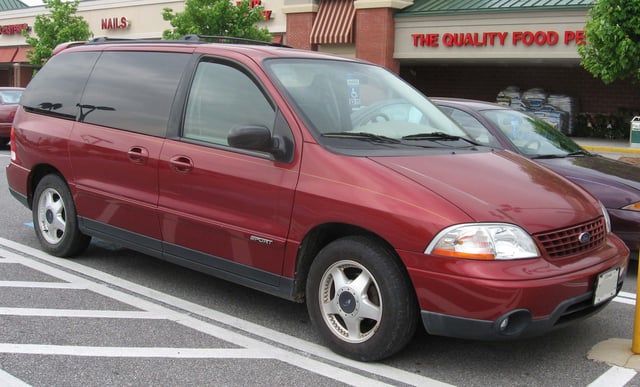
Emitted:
pixel 57 87
pixel 133 91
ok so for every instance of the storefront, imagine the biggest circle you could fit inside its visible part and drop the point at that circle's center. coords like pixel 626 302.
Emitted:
pixel 456 50
pixel 14 68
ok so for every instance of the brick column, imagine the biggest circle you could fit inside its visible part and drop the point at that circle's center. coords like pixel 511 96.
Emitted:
pixel 299 23
pixel 375 31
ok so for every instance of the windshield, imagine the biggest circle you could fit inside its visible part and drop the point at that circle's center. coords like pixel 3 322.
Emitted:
pixel 10 96
pixel 356 103
pixel 531 136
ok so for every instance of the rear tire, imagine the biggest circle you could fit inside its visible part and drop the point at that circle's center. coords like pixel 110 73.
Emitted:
pixel 360 299
pixel 55 220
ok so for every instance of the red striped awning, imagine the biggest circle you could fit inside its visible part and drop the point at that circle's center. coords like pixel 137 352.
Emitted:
pixel 334 22
pixel 7 53
pixel 21 55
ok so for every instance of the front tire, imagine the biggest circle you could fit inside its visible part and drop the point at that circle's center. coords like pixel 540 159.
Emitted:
pixel 55 220
pixel 360 299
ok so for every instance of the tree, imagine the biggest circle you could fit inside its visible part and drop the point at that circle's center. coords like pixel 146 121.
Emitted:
pixel 60 25
pixel 216 17
pixel 612 49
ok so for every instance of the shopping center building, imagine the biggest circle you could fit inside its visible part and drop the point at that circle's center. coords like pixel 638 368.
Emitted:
pixel 456 48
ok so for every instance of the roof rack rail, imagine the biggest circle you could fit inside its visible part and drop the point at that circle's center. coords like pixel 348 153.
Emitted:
pixel 105 39
pixel 64 46
pixel 228 39
pixel 196 39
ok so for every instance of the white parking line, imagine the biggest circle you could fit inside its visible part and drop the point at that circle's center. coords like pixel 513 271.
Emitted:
pixel 616 376
pixel 80 313
pixel 8 380
pixel 251 345
pixel 174 353
pixel 626 298
pixel 31 284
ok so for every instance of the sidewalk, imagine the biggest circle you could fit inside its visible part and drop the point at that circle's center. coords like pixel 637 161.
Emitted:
pixel 616 149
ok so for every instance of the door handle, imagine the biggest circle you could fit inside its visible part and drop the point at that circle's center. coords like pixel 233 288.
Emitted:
pixel 181 164
pixel 138 154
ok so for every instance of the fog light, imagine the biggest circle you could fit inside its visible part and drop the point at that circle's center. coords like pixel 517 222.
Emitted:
pixel 503 324
pixel 512 323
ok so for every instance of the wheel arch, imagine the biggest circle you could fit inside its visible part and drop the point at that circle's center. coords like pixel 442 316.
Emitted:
pixel 319 237
pixel 37 173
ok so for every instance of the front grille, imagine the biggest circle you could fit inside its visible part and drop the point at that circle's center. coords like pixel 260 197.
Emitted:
pixel 565 242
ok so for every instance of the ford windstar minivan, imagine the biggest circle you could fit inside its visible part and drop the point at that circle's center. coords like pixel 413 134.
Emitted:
pixel 279 169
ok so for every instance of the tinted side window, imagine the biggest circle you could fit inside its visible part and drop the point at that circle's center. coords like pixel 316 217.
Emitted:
pixel 57 87
pixel 222 97
pixel 133 91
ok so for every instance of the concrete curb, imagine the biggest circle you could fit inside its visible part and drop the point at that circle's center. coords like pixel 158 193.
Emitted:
pixel 611 149
pixel 615 352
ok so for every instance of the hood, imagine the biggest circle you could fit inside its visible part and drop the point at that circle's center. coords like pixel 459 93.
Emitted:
pixel 615 183
pixel 500 187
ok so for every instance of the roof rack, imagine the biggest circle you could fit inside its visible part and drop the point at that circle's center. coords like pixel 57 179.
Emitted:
pixel 188 39
pixel 104 39
pixel 228 39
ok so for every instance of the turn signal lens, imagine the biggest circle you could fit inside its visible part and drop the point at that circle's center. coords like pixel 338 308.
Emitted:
pixel 607 219
pixel 490 241
pixel 632 207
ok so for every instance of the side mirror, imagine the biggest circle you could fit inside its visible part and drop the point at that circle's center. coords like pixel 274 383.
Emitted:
pixel 250 137
pixel 257 138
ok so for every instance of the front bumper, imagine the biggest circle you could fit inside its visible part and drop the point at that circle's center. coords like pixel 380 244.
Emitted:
pixel 492 300
pixel 516 323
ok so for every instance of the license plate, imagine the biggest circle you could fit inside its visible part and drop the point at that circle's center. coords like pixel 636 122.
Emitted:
pixel 606 285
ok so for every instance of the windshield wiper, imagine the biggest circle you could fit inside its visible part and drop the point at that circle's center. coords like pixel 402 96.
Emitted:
pixel 362 135
pixel 436 136
pixel 562 156
pixel 581 152
pixel 551 156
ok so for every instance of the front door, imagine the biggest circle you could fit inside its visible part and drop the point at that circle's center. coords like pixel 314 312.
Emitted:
pixel 222 207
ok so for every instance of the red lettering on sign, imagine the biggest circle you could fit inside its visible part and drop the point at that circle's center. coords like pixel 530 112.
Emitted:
pixel 12 29
pixel 491 38
pixel 115 23
pixel 475 39
pixel 425 40
pixel 539 38
pixel 255 3
pixel 574 36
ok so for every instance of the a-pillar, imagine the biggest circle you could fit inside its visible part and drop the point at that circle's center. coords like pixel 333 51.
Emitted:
pixel 300 17
pixel 375 31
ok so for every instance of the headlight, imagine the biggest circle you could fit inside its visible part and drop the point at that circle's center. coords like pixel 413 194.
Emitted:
pixel 632 207
pixel 607 220
pixel 487 241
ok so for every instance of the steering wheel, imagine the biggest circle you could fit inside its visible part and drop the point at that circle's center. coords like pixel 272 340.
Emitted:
pixel 376 117
pixel 532 145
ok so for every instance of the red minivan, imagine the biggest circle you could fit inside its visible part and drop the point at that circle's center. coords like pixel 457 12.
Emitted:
pixel 281 170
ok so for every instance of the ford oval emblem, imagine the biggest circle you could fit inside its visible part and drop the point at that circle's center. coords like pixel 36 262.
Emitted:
pixel 584 238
